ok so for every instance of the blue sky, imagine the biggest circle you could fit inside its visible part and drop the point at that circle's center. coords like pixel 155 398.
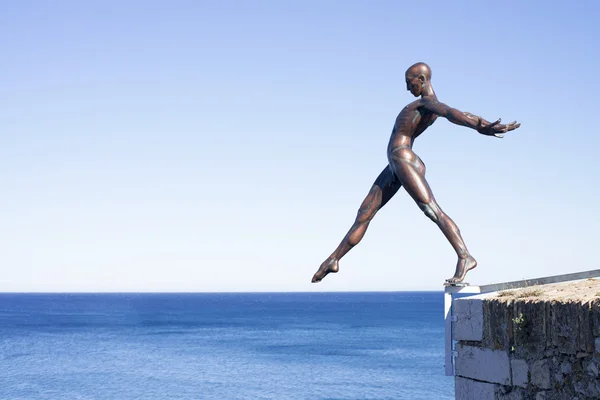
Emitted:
pixel 226 146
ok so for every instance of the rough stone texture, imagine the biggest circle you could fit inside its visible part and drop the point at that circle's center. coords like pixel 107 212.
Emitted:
pixel 520 372
pixel 483 364
pixel 509 393
pixel 467 389
pixel 541 396
pixel 497 325
pixel 566 367
pixel 592 369
pixel 543 342
pixel 540 374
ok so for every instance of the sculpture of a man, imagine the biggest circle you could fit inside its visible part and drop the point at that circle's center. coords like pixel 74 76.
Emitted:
pixel 406 169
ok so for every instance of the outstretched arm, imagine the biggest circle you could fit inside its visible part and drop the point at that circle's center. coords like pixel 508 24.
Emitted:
pixel 469 120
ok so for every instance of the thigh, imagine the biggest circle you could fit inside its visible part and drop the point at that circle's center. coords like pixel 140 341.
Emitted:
pixel 411 173
pixel 388 184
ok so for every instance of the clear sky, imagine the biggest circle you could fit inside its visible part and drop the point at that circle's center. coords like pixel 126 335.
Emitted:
pixel 226 146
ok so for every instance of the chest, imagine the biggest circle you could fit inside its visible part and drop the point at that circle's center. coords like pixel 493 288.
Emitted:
pixel 421 119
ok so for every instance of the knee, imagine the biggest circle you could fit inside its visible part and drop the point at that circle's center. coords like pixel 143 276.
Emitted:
pixel 430 211
pixel 370 205
pixel 365 215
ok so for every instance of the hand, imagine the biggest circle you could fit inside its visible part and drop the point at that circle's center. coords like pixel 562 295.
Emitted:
pixel 495 129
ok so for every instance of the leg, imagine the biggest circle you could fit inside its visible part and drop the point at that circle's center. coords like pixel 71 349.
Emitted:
pixel 385 187
pixel 411 171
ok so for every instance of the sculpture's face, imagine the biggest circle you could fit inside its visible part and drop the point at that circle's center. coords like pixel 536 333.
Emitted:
pixel 414 83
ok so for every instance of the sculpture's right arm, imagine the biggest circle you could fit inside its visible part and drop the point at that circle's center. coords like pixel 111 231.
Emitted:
pixel 469 120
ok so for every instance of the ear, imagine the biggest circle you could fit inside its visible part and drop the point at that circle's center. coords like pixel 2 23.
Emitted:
pixel 422 78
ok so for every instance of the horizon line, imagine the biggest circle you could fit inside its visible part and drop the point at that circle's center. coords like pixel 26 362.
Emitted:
pixel 219 292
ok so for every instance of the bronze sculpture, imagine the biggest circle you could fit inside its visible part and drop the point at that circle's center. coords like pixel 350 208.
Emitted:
pixel 406 169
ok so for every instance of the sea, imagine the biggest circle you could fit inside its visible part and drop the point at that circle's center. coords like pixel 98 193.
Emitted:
pixel 359 345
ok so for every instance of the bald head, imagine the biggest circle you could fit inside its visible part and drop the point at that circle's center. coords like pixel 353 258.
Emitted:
pixel 419 68
pixel 418 80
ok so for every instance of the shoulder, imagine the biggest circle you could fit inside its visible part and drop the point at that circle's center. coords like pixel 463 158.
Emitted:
pixel 432 104
pixel 429 100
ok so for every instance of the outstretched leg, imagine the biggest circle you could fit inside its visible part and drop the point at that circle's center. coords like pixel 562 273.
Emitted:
pixel 411 171
pixel 385 187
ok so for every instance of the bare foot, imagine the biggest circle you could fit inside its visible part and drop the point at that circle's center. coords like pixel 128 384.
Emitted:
pixel 329 265
pixel 463 266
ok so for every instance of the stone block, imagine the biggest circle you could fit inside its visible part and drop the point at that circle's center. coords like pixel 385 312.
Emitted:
pixel 569 327
pixel 595 316
pixel 593 389
pixel 497 322
pixel 541 396
pixel 597 343
pixel 520 373
pixel 559 379
pixel 469 318
pixel 514 394
pixel 592 369
pixel 467 389
pixel 566 367
pixel 581 388
pixel 483 364
pixel 529 326
pixel 540 374
pixel 585 318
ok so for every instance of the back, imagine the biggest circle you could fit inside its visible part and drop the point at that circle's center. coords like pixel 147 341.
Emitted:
pixel 410 123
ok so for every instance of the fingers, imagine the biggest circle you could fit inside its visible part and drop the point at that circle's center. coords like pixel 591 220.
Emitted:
pixel 496 122
pixel 512 126
pixel 497 129
pixel 505 128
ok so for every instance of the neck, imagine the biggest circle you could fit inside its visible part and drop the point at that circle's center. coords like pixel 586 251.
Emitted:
pixel 428 91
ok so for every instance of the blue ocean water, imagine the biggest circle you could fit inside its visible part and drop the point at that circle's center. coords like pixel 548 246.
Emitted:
pixel 223 346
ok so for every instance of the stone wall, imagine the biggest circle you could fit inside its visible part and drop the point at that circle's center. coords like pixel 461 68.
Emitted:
pixel 537 343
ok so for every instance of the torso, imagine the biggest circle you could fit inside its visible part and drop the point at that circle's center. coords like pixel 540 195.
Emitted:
pixel 410 123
